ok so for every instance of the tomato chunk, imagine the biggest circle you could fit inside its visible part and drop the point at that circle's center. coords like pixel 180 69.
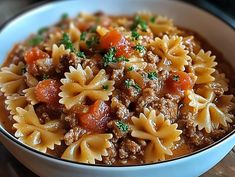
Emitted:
pixel 111 39
pixel 95 118
pixel 34 54
pixel 47 91
pixel 178 81
pixel 115 39
pixel 124 50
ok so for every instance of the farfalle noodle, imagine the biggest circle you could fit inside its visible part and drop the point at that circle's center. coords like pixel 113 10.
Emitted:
pixel 36 135
pixel 88 148
pixel 159 131
pixel 173 50
pixel 207 115
pixel 11 79
pixel 203 67
pixel 80 84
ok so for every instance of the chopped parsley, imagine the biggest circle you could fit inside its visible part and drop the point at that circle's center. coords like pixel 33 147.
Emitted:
pixel 131 68
pixel 121 58
pixel 66 41
pixel 137 87
pixel 135 34
pixel 93 29
pixel 35 40
pixel 105 87
pixel 109 57
pixel 152 19
pixel 152 75
pixel 45 77
pixel 122 126
pixel 140 48
pixel 23 70
pixel 129 83
pixel 83 36
pixel 81 54
pixel 42 30
pixel 64 16
pixel 92 41
pixel 175 78
pixel 139 22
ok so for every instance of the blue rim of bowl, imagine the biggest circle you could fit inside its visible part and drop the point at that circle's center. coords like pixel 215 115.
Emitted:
pixel 12 138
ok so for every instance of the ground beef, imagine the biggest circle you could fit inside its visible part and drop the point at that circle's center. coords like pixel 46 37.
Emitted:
pixel 218 90
pixel 152 58
pixel 115 130
pixel 66 61
pixel 30 80
pixel 117 75
pixel 195 138
pixel 163 75
pixel 73 135
pixel 129 149
pixel 146 100
pixel 119 109
pixel 168 107
pixel 17 54
pixel 72 120
pixel 46 112
pixel 92 63
pixel 111 157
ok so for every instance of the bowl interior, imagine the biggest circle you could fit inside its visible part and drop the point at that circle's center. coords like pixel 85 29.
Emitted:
pixel 214 30
pixel 219 34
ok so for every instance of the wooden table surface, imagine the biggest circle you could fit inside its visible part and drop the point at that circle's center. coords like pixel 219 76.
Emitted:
pixel 10 167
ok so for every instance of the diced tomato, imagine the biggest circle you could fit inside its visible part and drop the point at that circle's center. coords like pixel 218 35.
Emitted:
pixel 34 54
pixel 111 39
pixel 115 39
pixel 178 81
pixel 124 50
pixel 47 91
pixel 84 26
pixel 95 118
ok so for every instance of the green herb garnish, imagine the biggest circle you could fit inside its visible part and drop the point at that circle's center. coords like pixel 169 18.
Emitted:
pixel 66 41
pixel 176 78
pixel 129 83
pixel 135 34
pixel 109 57
pixel 35 40
pixel 140 48
pixel 105 87
pixel 45 77
pixel 23 70
pixel 42 30
pixel 122 126
pixel 152 75
pixel 92 41
pixel 139 22
pixel 64 16
pixel 121 58
pixel 137 87
pixel 152 19
pixel 83 36
pixel 93 29
pixel 81 54
pixel 131 68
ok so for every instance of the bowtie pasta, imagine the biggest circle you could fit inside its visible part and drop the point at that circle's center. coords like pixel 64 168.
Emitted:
pixel 117 90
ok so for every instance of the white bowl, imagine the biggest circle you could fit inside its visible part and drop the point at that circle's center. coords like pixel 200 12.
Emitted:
pixel 214 30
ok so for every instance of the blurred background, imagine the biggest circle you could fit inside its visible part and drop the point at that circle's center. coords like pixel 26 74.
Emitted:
pixel 225 9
